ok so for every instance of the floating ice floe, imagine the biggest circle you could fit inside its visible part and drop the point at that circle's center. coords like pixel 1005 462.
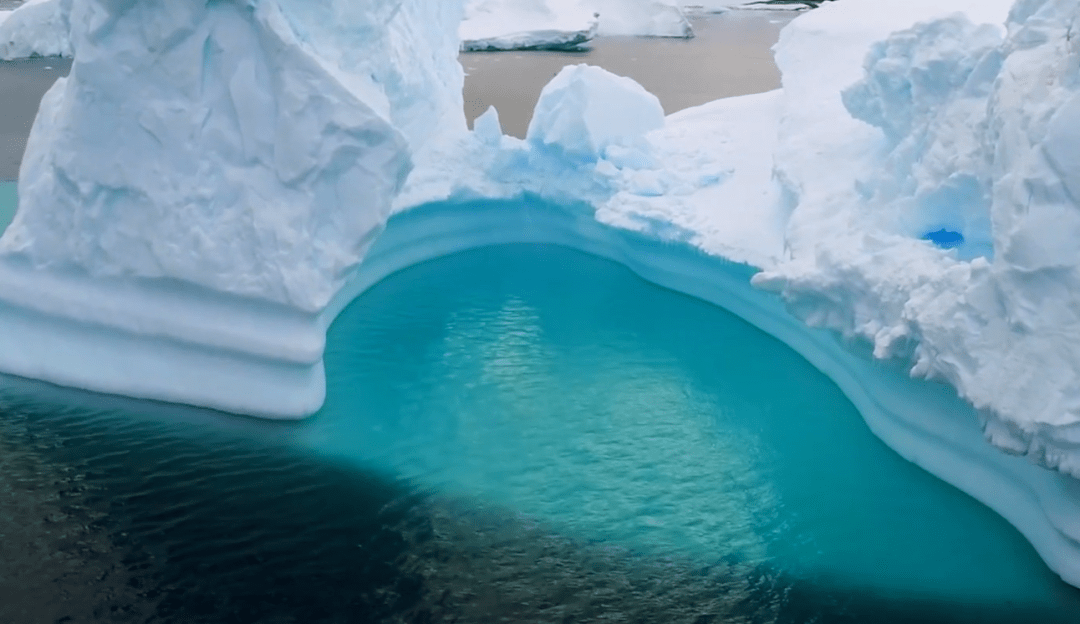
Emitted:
pixel 526 25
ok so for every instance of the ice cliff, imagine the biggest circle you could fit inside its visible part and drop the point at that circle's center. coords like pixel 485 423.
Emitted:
pixel 197 197
pixel 204 156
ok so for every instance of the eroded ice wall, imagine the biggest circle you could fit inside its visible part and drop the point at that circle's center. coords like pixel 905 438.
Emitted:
pixel 215 144
pixel 971 130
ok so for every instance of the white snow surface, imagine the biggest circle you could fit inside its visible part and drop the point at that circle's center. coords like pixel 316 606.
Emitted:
pixel 36 28
pixel 973 132
pixel 524 24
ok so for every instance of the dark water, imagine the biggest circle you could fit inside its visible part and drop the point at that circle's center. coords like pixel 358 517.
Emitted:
pixel 521 434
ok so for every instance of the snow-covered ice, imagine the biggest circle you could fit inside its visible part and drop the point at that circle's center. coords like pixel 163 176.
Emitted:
pixel 653 18
pixel 205 179
pixel 526 24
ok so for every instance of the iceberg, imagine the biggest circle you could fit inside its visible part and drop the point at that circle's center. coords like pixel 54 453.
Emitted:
pixel 954 124
pixel 36 28
pixel 565 24
pixel 902 212
pixel 204 182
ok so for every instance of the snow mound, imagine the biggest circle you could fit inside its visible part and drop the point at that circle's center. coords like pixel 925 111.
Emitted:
pixel 702 176
pixel 37 28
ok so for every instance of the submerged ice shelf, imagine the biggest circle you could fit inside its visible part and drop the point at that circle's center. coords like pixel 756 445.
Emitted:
pixel 224 297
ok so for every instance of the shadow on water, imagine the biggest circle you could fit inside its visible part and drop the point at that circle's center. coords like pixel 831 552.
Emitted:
pixel 227 524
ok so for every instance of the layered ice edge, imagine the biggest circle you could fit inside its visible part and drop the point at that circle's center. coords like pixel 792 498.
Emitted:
pixel 215 182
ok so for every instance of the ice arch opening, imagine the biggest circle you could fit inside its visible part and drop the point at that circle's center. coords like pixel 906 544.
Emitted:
pixel 175 296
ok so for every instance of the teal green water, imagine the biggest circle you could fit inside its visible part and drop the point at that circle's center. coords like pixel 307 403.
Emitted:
pixel 564 387
pixel 9 202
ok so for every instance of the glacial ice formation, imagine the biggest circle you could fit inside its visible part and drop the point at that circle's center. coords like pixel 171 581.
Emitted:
pixel 191 222
pixel 526 25
pixel 37 28
pixel 202 185
pixel 562 24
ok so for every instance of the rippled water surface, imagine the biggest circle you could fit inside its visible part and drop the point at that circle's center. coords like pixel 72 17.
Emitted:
pixel 519 432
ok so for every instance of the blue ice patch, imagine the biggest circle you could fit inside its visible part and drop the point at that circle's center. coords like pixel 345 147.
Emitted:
pixel 946 239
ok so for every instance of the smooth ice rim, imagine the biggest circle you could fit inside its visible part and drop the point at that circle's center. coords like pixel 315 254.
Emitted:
pixel 225 353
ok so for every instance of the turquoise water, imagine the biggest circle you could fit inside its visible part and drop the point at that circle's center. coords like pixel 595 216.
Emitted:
pixel 564 387
pixel 9 201
pixel 520 432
